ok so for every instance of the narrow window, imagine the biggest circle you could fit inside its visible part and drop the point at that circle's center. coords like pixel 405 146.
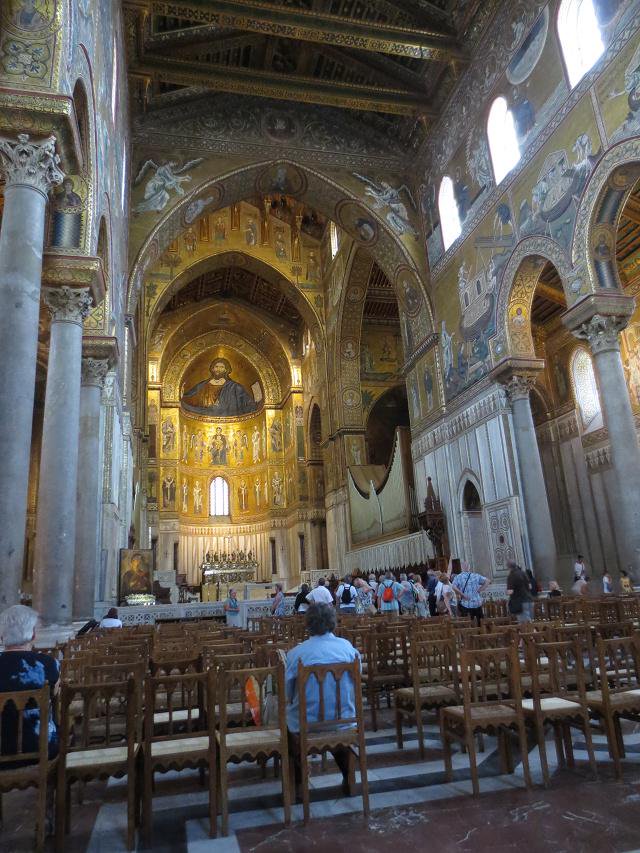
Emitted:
pixel 503 139
pixel 219 497
pixel 449 216
pixel 580 37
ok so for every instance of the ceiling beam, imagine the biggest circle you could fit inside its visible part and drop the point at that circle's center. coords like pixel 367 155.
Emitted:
pixel 551 294
pixel 320 27
pixel 631 215
pixel 244 81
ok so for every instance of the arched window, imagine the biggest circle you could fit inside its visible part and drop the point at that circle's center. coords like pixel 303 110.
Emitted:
pixel 503 139
pixel 586 390
pixel 335 239
pixel 219 497
pixel 449 216
pixel 580 37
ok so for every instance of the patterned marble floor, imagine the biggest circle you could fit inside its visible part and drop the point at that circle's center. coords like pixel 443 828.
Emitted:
pixel 409 799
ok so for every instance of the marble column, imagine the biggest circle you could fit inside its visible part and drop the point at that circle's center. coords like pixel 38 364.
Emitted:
pixel 534 492
pixel 56 513
pixel 602 334
pixel 30 170
pixel 89 496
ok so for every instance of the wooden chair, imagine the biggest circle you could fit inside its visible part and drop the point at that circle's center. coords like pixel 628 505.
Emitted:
pixel 187 737
pixel 386 664
pixel 256 736
pixel 434 673
pixel 484 673
pixel 35 767
pixel 175 665
pixel 100 736
pixel 618 693
pixel 330 713
pixel 558 697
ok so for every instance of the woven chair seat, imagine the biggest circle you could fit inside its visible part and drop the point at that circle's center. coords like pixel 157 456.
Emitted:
pixel 550 703
pixel 626 699
pixel 429 694
pixel 97 757
pixel 482 713
pixel 180 746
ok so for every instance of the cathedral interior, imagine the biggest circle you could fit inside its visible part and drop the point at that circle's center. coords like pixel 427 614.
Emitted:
pixel 314 288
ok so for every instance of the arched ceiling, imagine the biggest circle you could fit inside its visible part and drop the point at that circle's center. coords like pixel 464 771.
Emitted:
pixel 247 286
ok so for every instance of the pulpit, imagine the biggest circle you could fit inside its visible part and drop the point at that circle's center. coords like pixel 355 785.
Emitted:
pixel 222 571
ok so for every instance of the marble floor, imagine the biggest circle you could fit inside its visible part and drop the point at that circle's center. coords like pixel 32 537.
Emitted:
pixel 410 800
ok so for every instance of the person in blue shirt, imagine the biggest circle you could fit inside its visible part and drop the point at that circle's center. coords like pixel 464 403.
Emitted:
pixel 322 647
pixel 389 592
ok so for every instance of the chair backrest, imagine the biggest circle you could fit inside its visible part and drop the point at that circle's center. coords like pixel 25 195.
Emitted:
pixel 16 708
pixel 556 668
pixel 253 687
pixel 101 672
pixel 488 674
pixel 611 630
pixel 618 663
pixel 101 714
pixel 434 660
pixel 387 651
pixel 175 665
pixel 329 697
pixel 190 693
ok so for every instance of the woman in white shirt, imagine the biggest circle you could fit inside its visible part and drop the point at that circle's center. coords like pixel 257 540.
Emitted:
pixel 111 619
pixel 444 594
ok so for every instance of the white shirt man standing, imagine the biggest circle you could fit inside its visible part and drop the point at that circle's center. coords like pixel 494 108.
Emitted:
pixel 320 595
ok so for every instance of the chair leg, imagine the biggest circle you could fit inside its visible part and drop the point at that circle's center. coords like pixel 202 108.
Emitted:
pixel 213 802
pixel 524 752
pixel 131 809
pixel 420 731
pixel 147 803
pixel 41 818
pixel 304 780
pixel 372 707
pixel 286 785
pixel 224 793
pixel 399 740
pixel 619 738
pixel 61 794
pixel 586 730
pixel 557 735
pixel 612 739
pixel 568 744
pixel 471 749
pixel 364 781
pixel 446 747
pixel 542 749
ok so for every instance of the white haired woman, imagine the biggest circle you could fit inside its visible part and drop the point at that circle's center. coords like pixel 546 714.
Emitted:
pixel 22 668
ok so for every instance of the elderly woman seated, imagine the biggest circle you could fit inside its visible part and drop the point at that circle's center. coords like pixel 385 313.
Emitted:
pixel 21 668
pixel 322 647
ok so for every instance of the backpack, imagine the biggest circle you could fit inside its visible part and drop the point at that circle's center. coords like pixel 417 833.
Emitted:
pixel 387 595
pixel 345 598
pixel 416 597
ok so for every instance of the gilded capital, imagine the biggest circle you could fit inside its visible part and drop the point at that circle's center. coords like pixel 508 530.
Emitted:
pixel 32 164
pixel 602 332
pixel 94 371
pixel 519 386
pixel 67 304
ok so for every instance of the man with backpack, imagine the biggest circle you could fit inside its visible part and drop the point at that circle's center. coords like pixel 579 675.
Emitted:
pixel 346 596
pixel 389 592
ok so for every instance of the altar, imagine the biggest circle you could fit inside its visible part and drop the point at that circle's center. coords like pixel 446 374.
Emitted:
pixel 219 572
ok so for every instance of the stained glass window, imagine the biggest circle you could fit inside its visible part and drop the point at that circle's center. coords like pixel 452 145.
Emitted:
pixel 586 389
pixel 219 497
pixel 580 37
pixel 335 238
pixel 449 216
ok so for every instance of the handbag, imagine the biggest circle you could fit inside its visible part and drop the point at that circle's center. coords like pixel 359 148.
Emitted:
pixel 515 605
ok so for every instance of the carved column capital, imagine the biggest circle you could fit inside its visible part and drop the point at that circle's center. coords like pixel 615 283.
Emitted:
pixel 94 371
pixel 602 333
pixel 519 386
pixel 32 164
pixel 67 304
